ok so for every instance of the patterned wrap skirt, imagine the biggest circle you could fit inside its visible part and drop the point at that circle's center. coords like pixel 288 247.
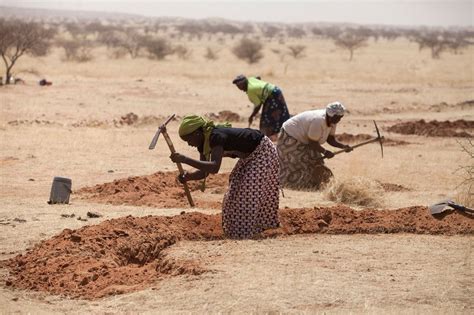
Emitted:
pixel 301 166
pixel 250 205
pixel 274 113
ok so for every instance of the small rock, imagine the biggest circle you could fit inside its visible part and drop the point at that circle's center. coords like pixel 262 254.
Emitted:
pixel 19 220
pixel 91 214
pixel 31 179
pixel 110 171
pixel 75 238
pixel 182 212
pixel 84 281
pixel 81 219
pixel 8 283
pixel 15 299
pixel 68 215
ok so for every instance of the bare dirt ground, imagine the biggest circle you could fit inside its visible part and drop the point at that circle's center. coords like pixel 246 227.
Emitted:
pixel 81 128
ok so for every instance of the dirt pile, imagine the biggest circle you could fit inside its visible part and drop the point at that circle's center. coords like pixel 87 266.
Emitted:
pixel 390 187
pixel 130 119
pixel 128 254
pixel 457 128
pixel 160 189
pixel 443 106
pixel 354 139
pixel 40 122
pixel 225 115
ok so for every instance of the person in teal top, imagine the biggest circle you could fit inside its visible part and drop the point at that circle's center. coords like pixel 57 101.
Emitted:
pixel 270 97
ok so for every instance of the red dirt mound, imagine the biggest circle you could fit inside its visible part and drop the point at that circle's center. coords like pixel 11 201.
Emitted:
pixel 130 119
pixel 33 122
pixel 127 254
pixel 160 189
pixel 225 115
pixel 457 128
pixel 350 138
pixel 393 187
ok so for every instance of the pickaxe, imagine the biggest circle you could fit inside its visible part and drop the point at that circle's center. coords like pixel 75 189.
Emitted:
pixel 378 139
pixel 162 130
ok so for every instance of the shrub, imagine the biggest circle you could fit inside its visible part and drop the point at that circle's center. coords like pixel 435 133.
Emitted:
pixel 77 50
pixel 248 50
pixel 182 52
pixel 158 48
pixel 211 54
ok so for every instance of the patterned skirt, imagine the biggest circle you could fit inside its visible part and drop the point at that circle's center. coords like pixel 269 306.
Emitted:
pixel 251 204
pixel 301 166
pixel 274 113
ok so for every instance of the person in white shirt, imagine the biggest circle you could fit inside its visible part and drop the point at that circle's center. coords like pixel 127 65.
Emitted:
pixel 300 149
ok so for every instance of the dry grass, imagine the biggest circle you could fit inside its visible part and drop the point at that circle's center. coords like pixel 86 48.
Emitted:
pixel 360 191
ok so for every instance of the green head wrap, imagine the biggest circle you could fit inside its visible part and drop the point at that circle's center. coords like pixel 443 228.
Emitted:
pixel 192 123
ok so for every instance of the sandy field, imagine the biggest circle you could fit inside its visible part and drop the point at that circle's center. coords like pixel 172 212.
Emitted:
pixel 336 257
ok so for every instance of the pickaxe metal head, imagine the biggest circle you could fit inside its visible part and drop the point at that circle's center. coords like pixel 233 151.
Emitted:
pixel 379 137
pixel 158 132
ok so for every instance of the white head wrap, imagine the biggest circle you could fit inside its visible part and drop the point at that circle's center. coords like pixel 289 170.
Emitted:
pixel 335 108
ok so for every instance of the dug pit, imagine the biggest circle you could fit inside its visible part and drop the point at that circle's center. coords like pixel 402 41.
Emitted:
pixel 129 254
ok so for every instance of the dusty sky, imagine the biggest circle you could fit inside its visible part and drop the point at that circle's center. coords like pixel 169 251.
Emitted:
pixel 402 12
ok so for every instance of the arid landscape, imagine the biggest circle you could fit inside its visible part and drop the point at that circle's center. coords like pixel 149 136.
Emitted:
pixel 128 242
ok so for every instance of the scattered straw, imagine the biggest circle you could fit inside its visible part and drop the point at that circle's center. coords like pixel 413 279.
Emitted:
pixel 354 191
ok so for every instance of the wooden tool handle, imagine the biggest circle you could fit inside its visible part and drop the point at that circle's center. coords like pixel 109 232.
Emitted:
pixel 180 168
pixel 360 144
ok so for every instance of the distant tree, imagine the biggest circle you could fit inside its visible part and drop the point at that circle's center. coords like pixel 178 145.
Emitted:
pixel 295 32
pixel 227 29
pixel 77 50
pixel 435 41
pixel 247 28
pixel 18 38
pixel 96 27
pixel 318 32
pixel 390 34
pixel 182 52
pixel 440 41
pixel 351 42
pixel 296 51
pixel 270 31
pixel 129 40
pixel 331 32
pixel 459 41
pixel 158 48
pixel 248 50
pixel 211 54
